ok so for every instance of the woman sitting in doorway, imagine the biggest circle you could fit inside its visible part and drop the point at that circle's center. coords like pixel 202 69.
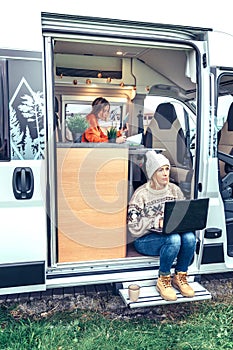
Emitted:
pixel 145 213
pixel 95 133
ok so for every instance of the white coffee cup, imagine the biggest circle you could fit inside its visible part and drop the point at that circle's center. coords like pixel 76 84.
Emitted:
pixel 134 291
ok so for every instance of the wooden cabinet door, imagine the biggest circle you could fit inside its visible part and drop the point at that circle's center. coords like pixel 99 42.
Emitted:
pixel 92 203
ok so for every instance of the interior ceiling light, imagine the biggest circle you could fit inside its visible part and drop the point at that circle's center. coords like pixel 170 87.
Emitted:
pixel 119 53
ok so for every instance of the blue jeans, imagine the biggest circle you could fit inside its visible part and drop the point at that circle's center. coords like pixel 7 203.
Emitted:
pixel 168 247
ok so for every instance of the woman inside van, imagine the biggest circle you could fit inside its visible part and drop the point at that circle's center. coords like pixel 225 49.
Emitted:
pixel 95 133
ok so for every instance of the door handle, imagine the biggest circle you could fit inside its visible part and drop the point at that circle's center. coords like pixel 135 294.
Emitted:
pixel 23 183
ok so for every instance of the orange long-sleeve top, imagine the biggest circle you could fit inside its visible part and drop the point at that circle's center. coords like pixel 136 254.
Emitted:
pixel 94 133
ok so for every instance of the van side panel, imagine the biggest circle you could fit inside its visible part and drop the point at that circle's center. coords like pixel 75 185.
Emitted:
pixel 23 221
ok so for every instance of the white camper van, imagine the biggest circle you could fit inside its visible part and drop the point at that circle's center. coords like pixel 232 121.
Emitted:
pixel 63 203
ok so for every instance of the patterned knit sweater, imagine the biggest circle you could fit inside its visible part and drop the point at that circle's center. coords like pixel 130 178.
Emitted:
pixel 146 207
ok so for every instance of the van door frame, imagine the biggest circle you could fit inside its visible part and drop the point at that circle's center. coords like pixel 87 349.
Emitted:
pixel 218 72
pixel 200 48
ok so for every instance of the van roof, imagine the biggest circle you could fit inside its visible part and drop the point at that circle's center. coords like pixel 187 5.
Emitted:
pixel 56 21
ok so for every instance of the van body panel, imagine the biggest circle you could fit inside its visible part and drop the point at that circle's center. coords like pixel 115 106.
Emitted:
pixel 72 60
pixel 23 199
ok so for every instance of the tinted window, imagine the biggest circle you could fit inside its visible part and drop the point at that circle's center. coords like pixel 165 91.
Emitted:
pixel 4 120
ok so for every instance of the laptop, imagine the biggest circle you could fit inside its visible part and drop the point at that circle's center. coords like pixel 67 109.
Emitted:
pixel 184 216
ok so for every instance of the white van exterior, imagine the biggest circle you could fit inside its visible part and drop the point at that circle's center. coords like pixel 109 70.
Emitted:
pixel 178 64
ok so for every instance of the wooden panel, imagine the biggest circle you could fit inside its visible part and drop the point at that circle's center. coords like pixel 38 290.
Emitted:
pixel 92 203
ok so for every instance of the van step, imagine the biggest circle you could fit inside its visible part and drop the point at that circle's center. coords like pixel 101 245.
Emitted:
pixel 150 297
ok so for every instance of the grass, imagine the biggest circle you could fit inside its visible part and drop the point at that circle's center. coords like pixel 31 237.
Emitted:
pixel 206 325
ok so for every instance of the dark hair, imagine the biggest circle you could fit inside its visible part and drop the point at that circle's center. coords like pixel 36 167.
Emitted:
pixel 99 101
pixel 98 104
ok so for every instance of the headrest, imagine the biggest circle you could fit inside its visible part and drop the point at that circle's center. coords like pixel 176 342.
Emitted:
pixel 165 115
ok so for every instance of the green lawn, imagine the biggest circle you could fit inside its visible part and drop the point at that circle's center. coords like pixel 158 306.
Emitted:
pixel 205 325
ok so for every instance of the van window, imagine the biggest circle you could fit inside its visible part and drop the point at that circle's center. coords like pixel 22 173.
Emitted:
pixel 224 123
pixel 4 120
pixel 73 108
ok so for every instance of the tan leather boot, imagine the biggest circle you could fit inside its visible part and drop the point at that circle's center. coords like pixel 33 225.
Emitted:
pixel 165 289
pixel 179 281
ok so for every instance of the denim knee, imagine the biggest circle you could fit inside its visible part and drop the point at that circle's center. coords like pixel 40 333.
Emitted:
pixel 174 239
pixel 188 239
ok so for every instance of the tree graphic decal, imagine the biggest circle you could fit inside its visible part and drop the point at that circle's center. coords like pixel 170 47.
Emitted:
pixel 27 123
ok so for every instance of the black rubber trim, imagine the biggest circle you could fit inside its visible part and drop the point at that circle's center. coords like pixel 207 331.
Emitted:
pixel 22 274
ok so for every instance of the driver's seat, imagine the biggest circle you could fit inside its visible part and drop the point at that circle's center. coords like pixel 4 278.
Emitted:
pixel 165 131
pixel 225 155
pixel 225 143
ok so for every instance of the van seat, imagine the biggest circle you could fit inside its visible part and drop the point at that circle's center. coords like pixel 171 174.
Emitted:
pixel 165 131
pixel 225 155
pixel 225 144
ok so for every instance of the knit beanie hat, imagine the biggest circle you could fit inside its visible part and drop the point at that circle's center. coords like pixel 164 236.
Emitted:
pixel 155 161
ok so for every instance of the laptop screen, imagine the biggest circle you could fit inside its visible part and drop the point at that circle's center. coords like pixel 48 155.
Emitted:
pixel 185 215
